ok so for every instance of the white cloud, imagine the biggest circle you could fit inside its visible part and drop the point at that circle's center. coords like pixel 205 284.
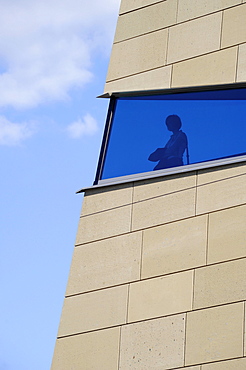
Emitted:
pixel 83 127
pixel 46 47
pixel 12 134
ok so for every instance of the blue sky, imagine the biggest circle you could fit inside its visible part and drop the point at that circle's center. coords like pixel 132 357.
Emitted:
pixel 53 63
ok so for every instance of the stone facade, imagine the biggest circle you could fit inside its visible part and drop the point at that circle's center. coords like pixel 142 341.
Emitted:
pixel 158 274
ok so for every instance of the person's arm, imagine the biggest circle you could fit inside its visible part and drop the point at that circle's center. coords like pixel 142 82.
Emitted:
pixel 157 155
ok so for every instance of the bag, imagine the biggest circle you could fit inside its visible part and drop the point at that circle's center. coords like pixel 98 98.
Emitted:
pixel 157 155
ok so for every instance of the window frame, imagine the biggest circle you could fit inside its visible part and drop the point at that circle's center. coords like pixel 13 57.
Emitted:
pixel 152 174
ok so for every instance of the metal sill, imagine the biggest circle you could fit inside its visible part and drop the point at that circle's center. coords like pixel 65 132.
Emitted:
pixel 166 172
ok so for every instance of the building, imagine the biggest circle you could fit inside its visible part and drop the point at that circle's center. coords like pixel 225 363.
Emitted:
pixel 158 277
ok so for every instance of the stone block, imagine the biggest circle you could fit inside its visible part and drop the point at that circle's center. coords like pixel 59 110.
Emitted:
pixel 98 200
pixel 220 173
pixel 198 8
pixel 221 194
pixel 210 69
pixel 190 368
pixel 156 187
pixel 160 296
pixel 159 78
pixel 219 284
pixel 193 38
pixel 155 344
pixel 244 331
pixel 105 263
pixel 128 6
pixel 94 310
pixel 227 234
pixel 241 68
pixel 214 334
pixel 174 247
pixel 234 26
pixel 104 224
pixel 147 19
pixel 163 209
pixel 238 364
pixel 96 350
pixel 137 55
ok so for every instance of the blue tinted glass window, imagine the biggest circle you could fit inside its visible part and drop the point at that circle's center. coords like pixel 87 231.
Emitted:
pixel 150 133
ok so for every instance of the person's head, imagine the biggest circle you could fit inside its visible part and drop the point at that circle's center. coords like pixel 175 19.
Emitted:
pixel 173 123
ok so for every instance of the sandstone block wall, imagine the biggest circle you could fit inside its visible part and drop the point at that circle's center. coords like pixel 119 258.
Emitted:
pixel 158 277
pixel 159 281
pixel 174 43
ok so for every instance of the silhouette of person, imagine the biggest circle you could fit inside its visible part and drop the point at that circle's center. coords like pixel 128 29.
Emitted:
pixel 172 153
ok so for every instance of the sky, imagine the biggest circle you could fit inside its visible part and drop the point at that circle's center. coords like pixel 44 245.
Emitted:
pixel 53 63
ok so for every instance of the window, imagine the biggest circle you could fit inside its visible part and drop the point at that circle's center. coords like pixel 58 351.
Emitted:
pixel 155 131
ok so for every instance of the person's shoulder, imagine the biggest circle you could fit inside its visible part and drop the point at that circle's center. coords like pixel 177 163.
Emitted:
pixel 182 133
pixel 183 137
